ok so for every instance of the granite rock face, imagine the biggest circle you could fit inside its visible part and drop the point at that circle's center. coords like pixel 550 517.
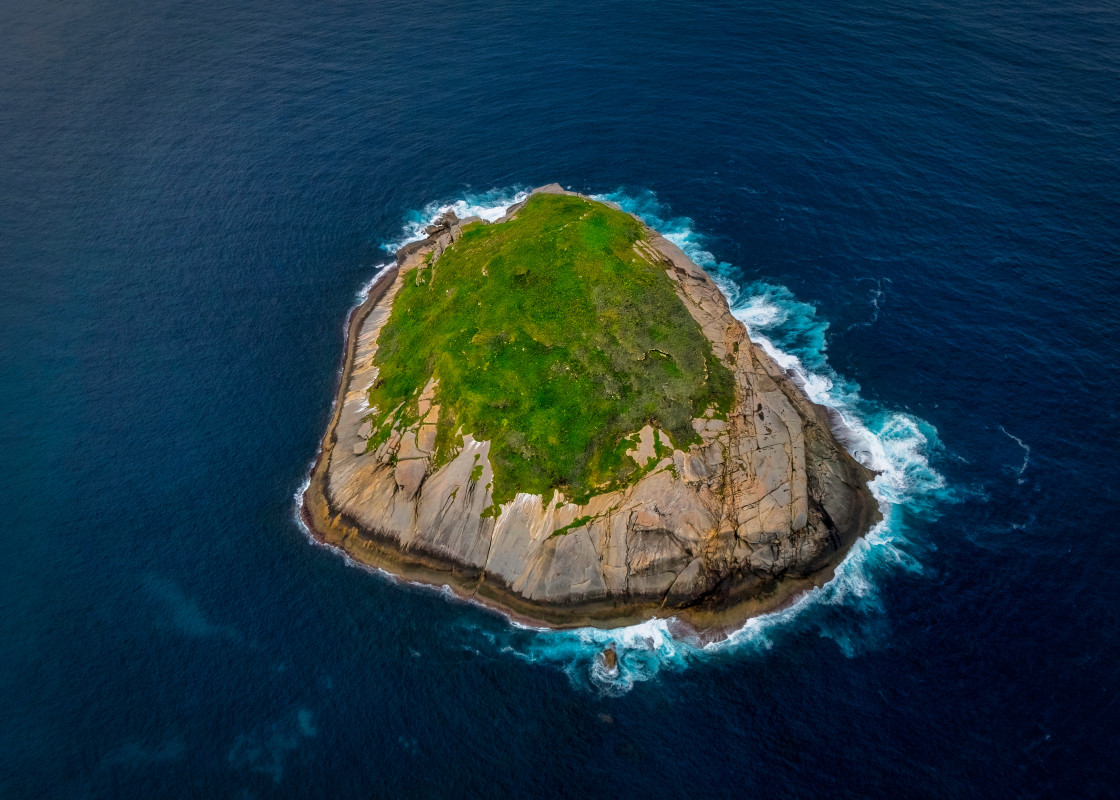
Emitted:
pixel 768 493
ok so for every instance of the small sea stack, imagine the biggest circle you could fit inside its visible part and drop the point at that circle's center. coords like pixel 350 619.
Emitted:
pixel 610 659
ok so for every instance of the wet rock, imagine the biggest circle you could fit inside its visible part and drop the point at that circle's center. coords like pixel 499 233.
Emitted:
pixel 609 659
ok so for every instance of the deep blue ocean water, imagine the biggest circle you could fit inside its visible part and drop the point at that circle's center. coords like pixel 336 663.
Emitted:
pixel 914 204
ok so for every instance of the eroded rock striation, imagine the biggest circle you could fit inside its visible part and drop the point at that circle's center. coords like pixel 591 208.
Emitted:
pixel 765 503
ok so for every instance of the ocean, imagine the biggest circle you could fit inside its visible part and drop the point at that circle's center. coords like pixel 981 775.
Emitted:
pixel 913 205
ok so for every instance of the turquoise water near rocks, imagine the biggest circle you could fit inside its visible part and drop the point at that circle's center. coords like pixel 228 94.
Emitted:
pixel 911 205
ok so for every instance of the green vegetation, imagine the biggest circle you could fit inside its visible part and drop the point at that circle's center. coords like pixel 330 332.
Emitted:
pixel 578 522
pixel 553 339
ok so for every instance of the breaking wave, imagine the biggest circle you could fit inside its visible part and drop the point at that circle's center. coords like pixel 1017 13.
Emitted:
pixel 363 292
pixel 895 444
pixel 489 205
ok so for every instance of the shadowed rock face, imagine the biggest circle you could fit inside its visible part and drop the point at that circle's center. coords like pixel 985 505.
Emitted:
pixel 767 494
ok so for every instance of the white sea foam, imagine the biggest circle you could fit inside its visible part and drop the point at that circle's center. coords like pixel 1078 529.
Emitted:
pixel 761 313
pixel 297 508
pixel 895 444
pixel 489 206
pixel 363 293
pixel 877 294
pixel 1026 455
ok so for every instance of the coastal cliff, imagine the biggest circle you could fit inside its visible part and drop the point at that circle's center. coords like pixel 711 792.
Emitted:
pixel 761 502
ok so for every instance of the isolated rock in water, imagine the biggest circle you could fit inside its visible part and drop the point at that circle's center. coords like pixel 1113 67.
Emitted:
pixel 610 659
pixel 734 511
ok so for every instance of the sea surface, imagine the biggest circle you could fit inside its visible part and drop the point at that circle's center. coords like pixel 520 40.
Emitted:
pixel 914 205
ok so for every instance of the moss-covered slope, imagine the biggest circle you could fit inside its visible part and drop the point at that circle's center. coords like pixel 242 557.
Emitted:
pixel 554 338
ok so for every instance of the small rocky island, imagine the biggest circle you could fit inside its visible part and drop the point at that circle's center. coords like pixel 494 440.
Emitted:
pixel 556 415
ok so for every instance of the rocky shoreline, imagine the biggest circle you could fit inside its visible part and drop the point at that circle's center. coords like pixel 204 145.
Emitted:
pixel 763 509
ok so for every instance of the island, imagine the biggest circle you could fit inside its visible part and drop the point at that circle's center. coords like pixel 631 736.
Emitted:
pixel 556 415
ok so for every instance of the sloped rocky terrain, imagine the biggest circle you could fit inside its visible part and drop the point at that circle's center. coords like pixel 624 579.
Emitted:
pixel 767 497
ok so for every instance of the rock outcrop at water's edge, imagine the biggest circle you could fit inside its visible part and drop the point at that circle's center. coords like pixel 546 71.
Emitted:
pixel 765 505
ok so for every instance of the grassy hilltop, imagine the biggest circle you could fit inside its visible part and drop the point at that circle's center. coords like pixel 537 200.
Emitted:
pixel 552 338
